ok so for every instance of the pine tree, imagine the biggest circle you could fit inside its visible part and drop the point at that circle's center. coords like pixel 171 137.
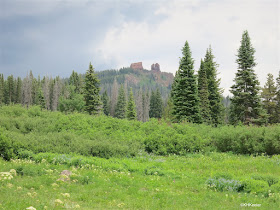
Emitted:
pixel 105 103
pixel 203 94
pixel 156 105
pixel 184 90
pixel 269 99
pixel 91 92
pixel 10 87
pixel 76 81
pixel 214 92
pixel 120 110
pixel 246 104
pixel 131 108
pixel 278 98
pixel 18 91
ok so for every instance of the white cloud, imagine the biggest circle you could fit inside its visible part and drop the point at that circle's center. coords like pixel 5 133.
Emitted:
pixel 219 23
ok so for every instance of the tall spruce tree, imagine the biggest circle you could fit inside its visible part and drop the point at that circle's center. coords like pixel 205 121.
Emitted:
pixel 184 90
pixel 156 105
pixel 214 91
pixel 91 92
pixel 10 88
pixel 203 94
pixel 269 99
pixel 18 91
pixel 246 103
pixel 120 110
pixel 131 108
pixel 105 103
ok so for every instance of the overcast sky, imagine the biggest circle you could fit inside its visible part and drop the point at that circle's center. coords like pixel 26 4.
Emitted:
pixel 52 37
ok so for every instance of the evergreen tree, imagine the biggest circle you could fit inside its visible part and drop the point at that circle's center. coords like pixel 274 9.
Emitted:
pixel 278 98
pixel 1 89
pixel 76 81
pixel 203 94
pixel 91 92
pixel 105 102
pixel 156 105
pixel 10 87
pixel 131 108
pixel 214 92
pixel 184 90
pixel 120 110
pixel 246 104
pixel 40 98
pixel 168 109
pixel 18 91
pixel 269 99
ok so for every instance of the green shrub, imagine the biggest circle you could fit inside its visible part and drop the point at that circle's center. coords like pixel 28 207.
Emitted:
pixel 255 186
pixel 271 180
pixel 7 150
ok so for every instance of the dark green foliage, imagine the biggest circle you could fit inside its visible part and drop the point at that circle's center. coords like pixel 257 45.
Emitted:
pixel 18 92
pixel 76 81
pixel 6 148
pixel 184 90
pixel 156 105
pixel 203 94
pixel 105 103
pixel 10 90
pixel 131 107
pixel 269 99
pixel 246 104
pixel 91 92
pixel 214 91
pixel 168 110
pixel 72 102
pixel 120 110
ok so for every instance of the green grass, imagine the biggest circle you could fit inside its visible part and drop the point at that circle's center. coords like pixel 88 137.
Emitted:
pixel 143 182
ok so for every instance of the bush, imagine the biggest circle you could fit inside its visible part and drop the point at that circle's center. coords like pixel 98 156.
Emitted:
pixel 7 151
pixel 222 184
pixel 255 186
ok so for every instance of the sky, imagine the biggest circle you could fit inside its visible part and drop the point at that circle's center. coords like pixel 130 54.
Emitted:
pixel 54 37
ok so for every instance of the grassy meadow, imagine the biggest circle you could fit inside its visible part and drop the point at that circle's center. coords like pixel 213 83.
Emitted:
pixel 133 165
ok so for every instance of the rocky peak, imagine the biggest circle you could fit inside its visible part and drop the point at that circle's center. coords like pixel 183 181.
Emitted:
pixel 136 66
pixel 155 67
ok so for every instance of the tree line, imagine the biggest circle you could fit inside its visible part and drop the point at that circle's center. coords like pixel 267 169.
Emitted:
pixel 198 98
pixel 81 93
pixel 195 97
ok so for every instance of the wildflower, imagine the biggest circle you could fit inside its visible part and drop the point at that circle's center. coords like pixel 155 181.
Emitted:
pixel 29 194
pixel 19 188
pixel 120 205
pixel 31 208
pixel 66 195
pixel 54 185
pixel 57 202
pixel 77 206
pixel 13 172
pixel 9 185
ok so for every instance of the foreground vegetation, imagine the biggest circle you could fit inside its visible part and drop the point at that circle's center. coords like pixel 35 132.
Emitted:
pixel 142 182
pixel 31 131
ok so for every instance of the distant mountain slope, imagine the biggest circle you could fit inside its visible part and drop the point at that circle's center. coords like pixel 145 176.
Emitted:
pixel 145 80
